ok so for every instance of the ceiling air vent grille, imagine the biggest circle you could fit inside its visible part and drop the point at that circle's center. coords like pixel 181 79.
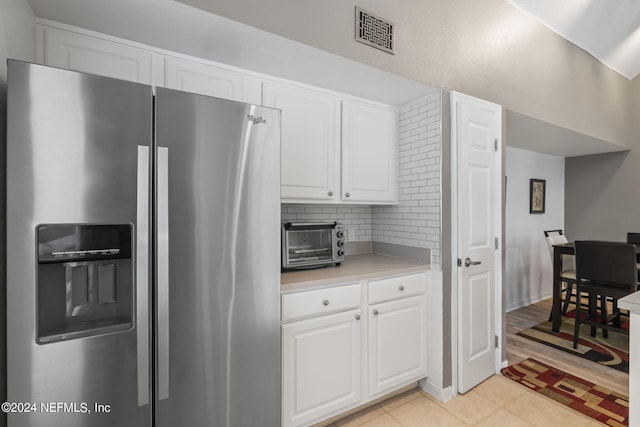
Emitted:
pixel 374 31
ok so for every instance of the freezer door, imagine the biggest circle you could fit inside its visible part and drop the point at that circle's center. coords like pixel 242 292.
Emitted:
pixel 218 261
pixel 77 193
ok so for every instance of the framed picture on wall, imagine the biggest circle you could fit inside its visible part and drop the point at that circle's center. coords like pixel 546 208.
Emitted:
pixel 537 189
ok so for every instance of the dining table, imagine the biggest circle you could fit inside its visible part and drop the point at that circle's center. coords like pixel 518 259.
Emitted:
pixel 556 307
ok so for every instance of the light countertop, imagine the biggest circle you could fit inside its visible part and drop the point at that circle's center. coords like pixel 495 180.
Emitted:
pixel 353 269
pixel 630 302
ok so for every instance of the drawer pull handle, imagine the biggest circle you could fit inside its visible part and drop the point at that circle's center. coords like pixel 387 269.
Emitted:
pixel 401 288
pixel 325 302
pixel 375 312
pixel 357 317
pixel 330 193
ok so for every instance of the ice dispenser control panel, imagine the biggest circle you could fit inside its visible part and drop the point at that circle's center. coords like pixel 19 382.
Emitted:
pixel 85 280
pixel 76 242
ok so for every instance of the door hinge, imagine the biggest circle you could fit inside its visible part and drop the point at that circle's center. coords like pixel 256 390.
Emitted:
pixel 496 339
pixel 497 244
pixel 495 144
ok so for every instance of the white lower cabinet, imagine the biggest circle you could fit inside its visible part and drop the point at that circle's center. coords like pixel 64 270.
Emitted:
pixel 346 345
pixel 397 343
pixel 321 366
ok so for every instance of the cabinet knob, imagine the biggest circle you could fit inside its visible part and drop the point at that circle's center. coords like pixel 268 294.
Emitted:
pixel 401 287
pixel 357 317
pixel 330 193
pixel 325 302
pixel 347 195
pixel 375 312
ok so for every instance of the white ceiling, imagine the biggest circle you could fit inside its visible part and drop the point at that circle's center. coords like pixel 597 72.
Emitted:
pixel 536 135
pixel 607 29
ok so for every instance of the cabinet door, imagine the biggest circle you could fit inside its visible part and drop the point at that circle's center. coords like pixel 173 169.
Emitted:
pixel 397 343
pixel 208 80
pixel 310 142
pixel 96 56
pixel 321 367
pixel 368 153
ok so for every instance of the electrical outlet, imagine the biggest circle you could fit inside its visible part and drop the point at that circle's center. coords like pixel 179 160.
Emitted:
pixel 351 234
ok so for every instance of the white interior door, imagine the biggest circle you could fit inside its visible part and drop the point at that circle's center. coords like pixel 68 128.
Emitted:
pixel 477 129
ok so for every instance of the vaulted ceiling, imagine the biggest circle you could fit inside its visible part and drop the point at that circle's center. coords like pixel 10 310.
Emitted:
pixel 607 29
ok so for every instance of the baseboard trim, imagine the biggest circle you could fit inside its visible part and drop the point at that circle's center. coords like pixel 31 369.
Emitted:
pixel 442 394
pixel 528 301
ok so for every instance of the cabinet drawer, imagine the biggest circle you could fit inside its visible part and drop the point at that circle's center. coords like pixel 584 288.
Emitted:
pixel 397 287
pixel 319 302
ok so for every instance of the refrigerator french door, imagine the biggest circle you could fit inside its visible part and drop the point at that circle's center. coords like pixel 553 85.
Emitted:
pixel 142 255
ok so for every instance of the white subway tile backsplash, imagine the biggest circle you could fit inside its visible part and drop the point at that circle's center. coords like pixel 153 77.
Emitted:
pixel 358 217
pixel 415 220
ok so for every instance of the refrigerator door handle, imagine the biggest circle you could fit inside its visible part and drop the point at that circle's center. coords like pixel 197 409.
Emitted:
pixel 142 276
pixel 163 271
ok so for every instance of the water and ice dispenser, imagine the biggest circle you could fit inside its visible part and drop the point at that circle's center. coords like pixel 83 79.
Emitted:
pixel 84 280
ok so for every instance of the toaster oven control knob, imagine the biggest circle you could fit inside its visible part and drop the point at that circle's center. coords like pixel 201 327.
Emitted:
pixel 340 243
pixel 340 234
pixel 340 252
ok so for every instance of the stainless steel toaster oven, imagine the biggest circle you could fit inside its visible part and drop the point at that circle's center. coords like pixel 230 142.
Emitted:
pixel 312 244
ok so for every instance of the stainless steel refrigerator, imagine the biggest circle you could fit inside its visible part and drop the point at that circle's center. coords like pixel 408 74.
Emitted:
pixel 142 255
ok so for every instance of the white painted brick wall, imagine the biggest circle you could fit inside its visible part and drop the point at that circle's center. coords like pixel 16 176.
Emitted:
pixel 415 220
pixel 358 217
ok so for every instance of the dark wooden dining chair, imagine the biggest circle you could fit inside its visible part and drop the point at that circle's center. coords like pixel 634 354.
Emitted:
pixel 568 272
pixel 633 238
pixel 603 270
pixel 557 232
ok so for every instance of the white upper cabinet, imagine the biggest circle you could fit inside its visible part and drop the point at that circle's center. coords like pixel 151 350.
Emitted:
pixel 335 149
pixel 78 52
pixel 310 165
pixel 368 153
pixel 108 57
pixel 208 80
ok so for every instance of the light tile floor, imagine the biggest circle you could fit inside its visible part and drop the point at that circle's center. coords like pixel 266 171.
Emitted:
pixel 496 402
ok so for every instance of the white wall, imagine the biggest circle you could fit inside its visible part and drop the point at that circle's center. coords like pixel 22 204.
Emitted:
pixel 488 49
pixel 528 270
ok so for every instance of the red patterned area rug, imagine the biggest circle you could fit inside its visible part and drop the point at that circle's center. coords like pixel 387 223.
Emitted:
pixel 612 351
pixel 597 402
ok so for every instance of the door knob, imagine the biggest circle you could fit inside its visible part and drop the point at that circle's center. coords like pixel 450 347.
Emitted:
pixel 468 262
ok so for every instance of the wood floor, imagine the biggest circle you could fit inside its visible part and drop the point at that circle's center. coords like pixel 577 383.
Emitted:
pixel 520 348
